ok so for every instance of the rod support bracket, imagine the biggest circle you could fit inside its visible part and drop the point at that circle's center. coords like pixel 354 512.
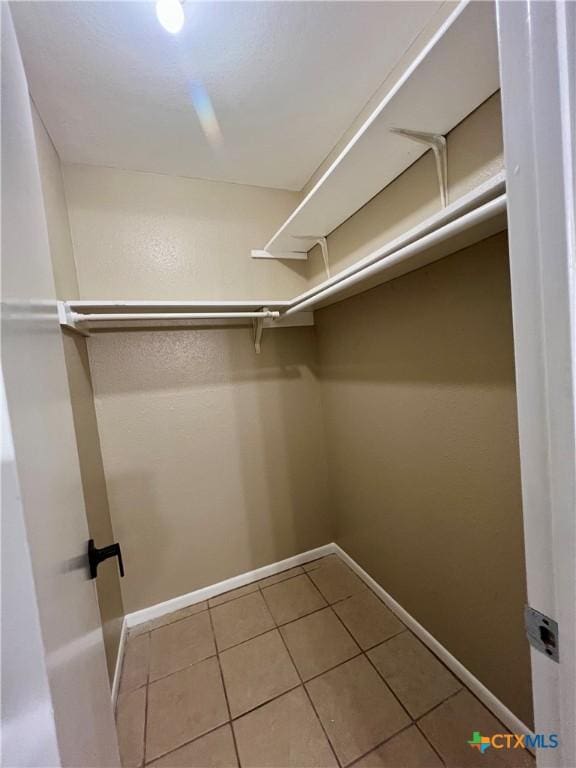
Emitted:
pixel 69 319
pixel 258 326
pixel 437 143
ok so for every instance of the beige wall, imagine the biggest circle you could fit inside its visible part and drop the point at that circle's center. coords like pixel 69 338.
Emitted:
pixel 81 395
pixel 147 236
pixel 419 397
pixel 214 455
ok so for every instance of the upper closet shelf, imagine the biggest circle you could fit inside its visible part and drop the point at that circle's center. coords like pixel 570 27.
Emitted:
pixel 455 73
pixel 473 217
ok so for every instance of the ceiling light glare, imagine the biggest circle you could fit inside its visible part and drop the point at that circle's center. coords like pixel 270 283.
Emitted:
pixel 171 15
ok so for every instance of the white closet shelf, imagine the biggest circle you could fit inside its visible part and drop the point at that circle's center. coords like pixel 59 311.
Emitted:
pixel 473 217
pixel 452 76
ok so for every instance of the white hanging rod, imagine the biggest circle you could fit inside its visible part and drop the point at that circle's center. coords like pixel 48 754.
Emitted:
pixel 137 305
pixel 466 221
pixel 79 317
pixel 486 191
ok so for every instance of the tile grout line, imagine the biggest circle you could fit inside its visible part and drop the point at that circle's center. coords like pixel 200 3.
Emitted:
pixel 463 685
pixel 146 699
pixel 268 701
pixel 413 721
pixel 424 734
pixel 186 743
pixel 439 704
pixel 181 669
pixel 277 627
pixel 216 727
pixel 224 688
pixel 381 744
pixel 306 693
pixel 259 588
pixel 228 648
pixel 364 653
pixel 303 683
pixel 132 634
pixel 133 631
pixel 381 642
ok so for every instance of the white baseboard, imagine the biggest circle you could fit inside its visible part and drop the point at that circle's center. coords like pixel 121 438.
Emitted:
pixel 500 710
pixel 490 701
pixel 183 601
pixel 119 659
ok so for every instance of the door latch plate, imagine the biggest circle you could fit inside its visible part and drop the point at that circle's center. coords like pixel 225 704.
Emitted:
pixel 542 633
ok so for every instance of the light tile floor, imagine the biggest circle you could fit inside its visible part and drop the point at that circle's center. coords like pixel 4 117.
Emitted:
pixel 304 669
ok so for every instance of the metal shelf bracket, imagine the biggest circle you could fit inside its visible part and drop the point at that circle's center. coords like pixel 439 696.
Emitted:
pixel 298 255
pixel 437 143
pixel 258 325
pixel 322 242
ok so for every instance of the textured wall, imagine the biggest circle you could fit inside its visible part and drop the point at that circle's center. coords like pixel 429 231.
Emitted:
pixel 420 403
pixel 214 455
pixel 81 395
pixel 147 236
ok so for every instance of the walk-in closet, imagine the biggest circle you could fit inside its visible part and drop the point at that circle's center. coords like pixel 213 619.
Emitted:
pixel 272 316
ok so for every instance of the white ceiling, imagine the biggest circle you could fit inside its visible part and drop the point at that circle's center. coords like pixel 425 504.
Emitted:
pixel 285 79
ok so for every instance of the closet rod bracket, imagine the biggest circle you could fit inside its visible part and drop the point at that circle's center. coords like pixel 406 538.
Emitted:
pixel 258 325
pixel 437 143
pixel 68 319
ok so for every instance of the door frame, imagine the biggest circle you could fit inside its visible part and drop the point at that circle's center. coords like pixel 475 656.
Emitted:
pixel 56 707
pixel 536 43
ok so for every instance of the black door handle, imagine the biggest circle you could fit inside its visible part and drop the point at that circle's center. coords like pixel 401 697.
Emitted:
pixel 96 556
